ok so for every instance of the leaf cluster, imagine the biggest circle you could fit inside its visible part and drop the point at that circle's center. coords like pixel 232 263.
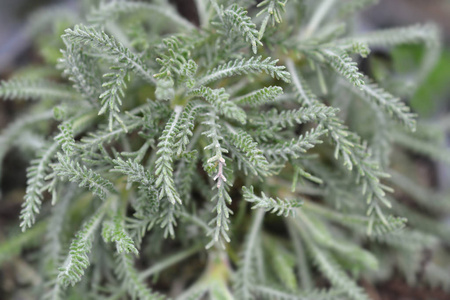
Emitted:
pixel 155 154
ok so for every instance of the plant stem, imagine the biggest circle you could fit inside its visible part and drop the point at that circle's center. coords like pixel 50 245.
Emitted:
pixel 316 19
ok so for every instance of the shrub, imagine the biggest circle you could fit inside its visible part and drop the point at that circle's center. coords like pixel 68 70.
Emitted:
pixel 253 141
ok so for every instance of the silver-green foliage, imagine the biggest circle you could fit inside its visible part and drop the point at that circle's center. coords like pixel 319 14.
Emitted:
pixel 280 207
pixel 198 118
pixel 237 19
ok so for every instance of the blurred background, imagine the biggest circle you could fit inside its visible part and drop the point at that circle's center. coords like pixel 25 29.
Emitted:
pixel 431 101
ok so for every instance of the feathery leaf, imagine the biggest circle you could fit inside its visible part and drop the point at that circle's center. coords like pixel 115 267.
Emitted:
pixel 35 90
pixel 163 165
pixel 246 66
pixel 280 207
pixel 74 172
pixel 106 44
pixel 36 175
pixel 237 17
pixel 219 99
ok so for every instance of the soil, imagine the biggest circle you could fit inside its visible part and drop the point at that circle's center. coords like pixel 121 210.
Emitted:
pixel 398 289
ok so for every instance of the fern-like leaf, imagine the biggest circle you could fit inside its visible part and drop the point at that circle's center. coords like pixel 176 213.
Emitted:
pixel 221 221
pixel 174 60
pixel 66 138
pixel 219 99
pixel 135 171
pixel 260 97
pixel 36 175
pixel 390 104
pixel 295 147
pixel 344 65
pixel 216 162
pixel 272 11
pixel 280 207
pixel 111 97
pixel 237 17
pixel 353 153
pixel 77 261
pixel 78 67
pixel 74 172
pixel 249 148
pixel 104 135
pixel 246 66
pixel 187 123
pixel 114 231
pixel 302 115
pixel 35 90
pixel 163 166
pixel 108 45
